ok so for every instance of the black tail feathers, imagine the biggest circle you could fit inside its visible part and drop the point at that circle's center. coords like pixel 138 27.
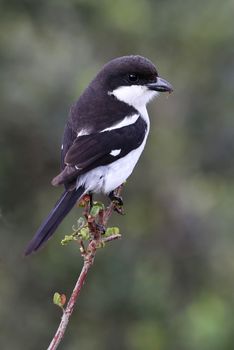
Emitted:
pixel 65 203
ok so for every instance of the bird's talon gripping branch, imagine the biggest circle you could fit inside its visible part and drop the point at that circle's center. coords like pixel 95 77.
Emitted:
pixel 90 201
pixel 117 200
pixel 119 209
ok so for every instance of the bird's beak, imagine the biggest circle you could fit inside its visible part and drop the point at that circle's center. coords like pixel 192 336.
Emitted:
pixel 160 85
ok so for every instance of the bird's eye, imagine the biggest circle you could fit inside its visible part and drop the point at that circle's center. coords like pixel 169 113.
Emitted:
pixel 133 78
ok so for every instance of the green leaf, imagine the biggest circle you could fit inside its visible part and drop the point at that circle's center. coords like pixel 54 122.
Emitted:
pixel 84 233
pixel 80 223
pixel 99 204
pixel 67 239
pixel 95 210
pixel 112 231
pixel 59 299
pixel 97 207
pixel 101 245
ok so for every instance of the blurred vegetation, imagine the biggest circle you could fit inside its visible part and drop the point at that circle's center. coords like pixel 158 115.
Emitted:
pixel 169 283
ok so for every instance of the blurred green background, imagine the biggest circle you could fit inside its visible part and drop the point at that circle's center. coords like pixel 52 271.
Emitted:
pixel 169 283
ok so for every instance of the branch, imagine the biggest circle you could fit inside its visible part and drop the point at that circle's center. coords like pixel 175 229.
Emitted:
pixel 96 225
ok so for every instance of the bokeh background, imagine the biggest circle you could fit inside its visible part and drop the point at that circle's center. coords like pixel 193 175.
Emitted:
pixel 169 283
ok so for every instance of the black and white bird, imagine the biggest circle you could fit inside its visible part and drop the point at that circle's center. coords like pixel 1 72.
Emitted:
pixel 104 136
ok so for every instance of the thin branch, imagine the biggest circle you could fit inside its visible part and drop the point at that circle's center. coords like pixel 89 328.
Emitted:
pixel 70 306
pixel 88 256
pixel 111 238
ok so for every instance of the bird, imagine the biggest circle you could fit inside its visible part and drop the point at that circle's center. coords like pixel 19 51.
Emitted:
pixel 104 136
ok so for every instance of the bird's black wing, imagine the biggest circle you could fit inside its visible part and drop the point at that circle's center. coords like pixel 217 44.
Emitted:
pixel 96 149
pixel 69 137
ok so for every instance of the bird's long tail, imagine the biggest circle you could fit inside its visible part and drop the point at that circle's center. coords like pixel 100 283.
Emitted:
pixel 65 203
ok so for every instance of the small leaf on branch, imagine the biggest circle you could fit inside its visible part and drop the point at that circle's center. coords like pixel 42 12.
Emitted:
pixel 63 299
pixel 99 204
pixel 84 200
pixel 80 223
pixel 84 233
pixel 112 231
pixel 95 210
pixel 59 299
pixel 67 239
pixel 101 245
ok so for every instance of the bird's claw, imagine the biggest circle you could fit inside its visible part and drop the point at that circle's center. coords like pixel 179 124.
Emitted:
pixel 116 199
pixel 117 202
pixel 119 209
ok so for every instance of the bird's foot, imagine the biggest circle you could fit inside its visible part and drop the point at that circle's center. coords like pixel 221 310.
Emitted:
pixel 119 209
pixel 115 199
pixel 118 203
pixel 90 201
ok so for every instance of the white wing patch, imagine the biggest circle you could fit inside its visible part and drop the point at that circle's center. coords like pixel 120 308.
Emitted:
pixel 82 132
pixel 124 122
pixel 115 152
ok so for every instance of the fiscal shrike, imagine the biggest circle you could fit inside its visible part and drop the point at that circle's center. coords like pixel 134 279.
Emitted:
pixel 104 136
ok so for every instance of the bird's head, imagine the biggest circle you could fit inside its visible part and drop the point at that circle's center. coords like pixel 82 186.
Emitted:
pixel 133 80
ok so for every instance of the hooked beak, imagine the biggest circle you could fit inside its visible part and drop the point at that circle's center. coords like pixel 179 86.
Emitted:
pixel 160 85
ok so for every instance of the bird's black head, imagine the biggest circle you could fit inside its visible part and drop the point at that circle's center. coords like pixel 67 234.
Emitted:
pixel 131 79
